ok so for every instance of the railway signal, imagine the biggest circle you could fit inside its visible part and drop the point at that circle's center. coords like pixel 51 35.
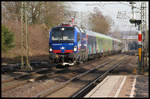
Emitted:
pixel 140 50
pixel 140 38
pixel 134 21
pixel 142 27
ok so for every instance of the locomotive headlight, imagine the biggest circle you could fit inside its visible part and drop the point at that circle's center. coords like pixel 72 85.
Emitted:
pixel 50 49
pixel 75 48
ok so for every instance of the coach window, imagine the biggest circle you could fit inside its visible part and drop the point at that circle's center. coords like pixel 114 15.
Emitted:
pixel 78 37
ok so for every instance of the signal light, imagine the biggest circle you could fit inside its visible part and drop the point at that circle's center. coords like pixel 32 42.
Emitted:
pixel 140 38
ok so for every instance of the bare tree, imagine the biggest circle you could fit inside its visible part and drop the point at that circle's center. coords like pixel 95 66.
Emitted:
pixel 100 23
pixel 12 10
pixel 49 13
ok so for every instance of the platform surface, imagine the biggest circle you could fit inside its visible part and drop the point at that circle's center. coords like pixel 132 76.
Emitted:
pixel 115 86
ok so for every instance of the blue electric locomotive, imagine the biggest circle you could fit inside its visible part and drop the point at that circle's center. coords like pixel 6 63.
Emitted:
pixel 69 44
pixel 66 44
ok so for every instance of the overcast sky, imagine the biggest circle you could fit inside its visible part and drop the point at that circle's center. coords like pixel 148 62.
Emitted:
pixel 109 9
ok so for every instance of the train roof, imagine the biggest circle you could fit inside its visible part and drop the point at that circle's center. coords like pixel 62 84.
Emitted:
pixel 91 33
pixel 116 40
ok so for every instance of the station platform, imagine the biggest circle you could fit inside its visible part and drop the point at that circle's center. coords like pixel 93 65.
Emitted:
pixel 115 86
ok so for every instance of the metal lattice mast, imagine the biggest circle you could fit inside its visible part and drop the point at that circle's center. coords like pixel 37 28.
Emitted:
pixel 146 35
pixel 139 23
pixel 142 30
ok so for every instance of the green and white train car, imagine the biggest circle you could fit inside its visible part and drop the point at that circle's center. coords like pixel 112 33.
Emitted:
pixel 100 44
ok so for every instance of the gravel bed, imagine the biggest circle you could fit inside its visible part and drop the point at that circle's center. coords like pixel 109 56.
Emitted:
pixel 142 87
pixel 30 89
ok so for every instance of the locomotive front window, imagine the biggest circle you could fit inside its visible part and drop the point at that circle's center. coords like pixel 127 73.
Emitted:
pixel 68 34
pixel 56 34
pixel 65 34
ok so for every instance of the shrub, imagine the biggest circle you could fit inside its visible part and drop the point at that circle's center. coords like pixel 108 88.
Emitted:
pixel 7 39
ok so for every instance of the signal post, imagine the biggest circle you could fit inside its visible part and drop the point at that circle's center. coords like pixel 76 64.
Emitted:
pixel 140 52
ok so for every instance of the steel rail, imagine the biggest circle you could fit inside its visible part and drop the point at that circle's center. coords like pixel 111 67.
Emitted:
pixel 4 89
pixel 61 85
pixel 92 84
pixel 25 75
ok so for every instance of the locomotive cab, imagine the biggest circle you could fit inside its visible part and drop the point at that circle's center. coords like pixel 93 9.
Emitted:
pixel 64 44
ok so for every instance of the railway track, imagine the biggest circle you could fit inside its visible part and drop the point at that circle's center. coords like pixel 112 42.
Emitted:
pixel 17 73
pixel 23 76
pixel 75 70
pixel 56 91
pixel 92 84
pixel 24 79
